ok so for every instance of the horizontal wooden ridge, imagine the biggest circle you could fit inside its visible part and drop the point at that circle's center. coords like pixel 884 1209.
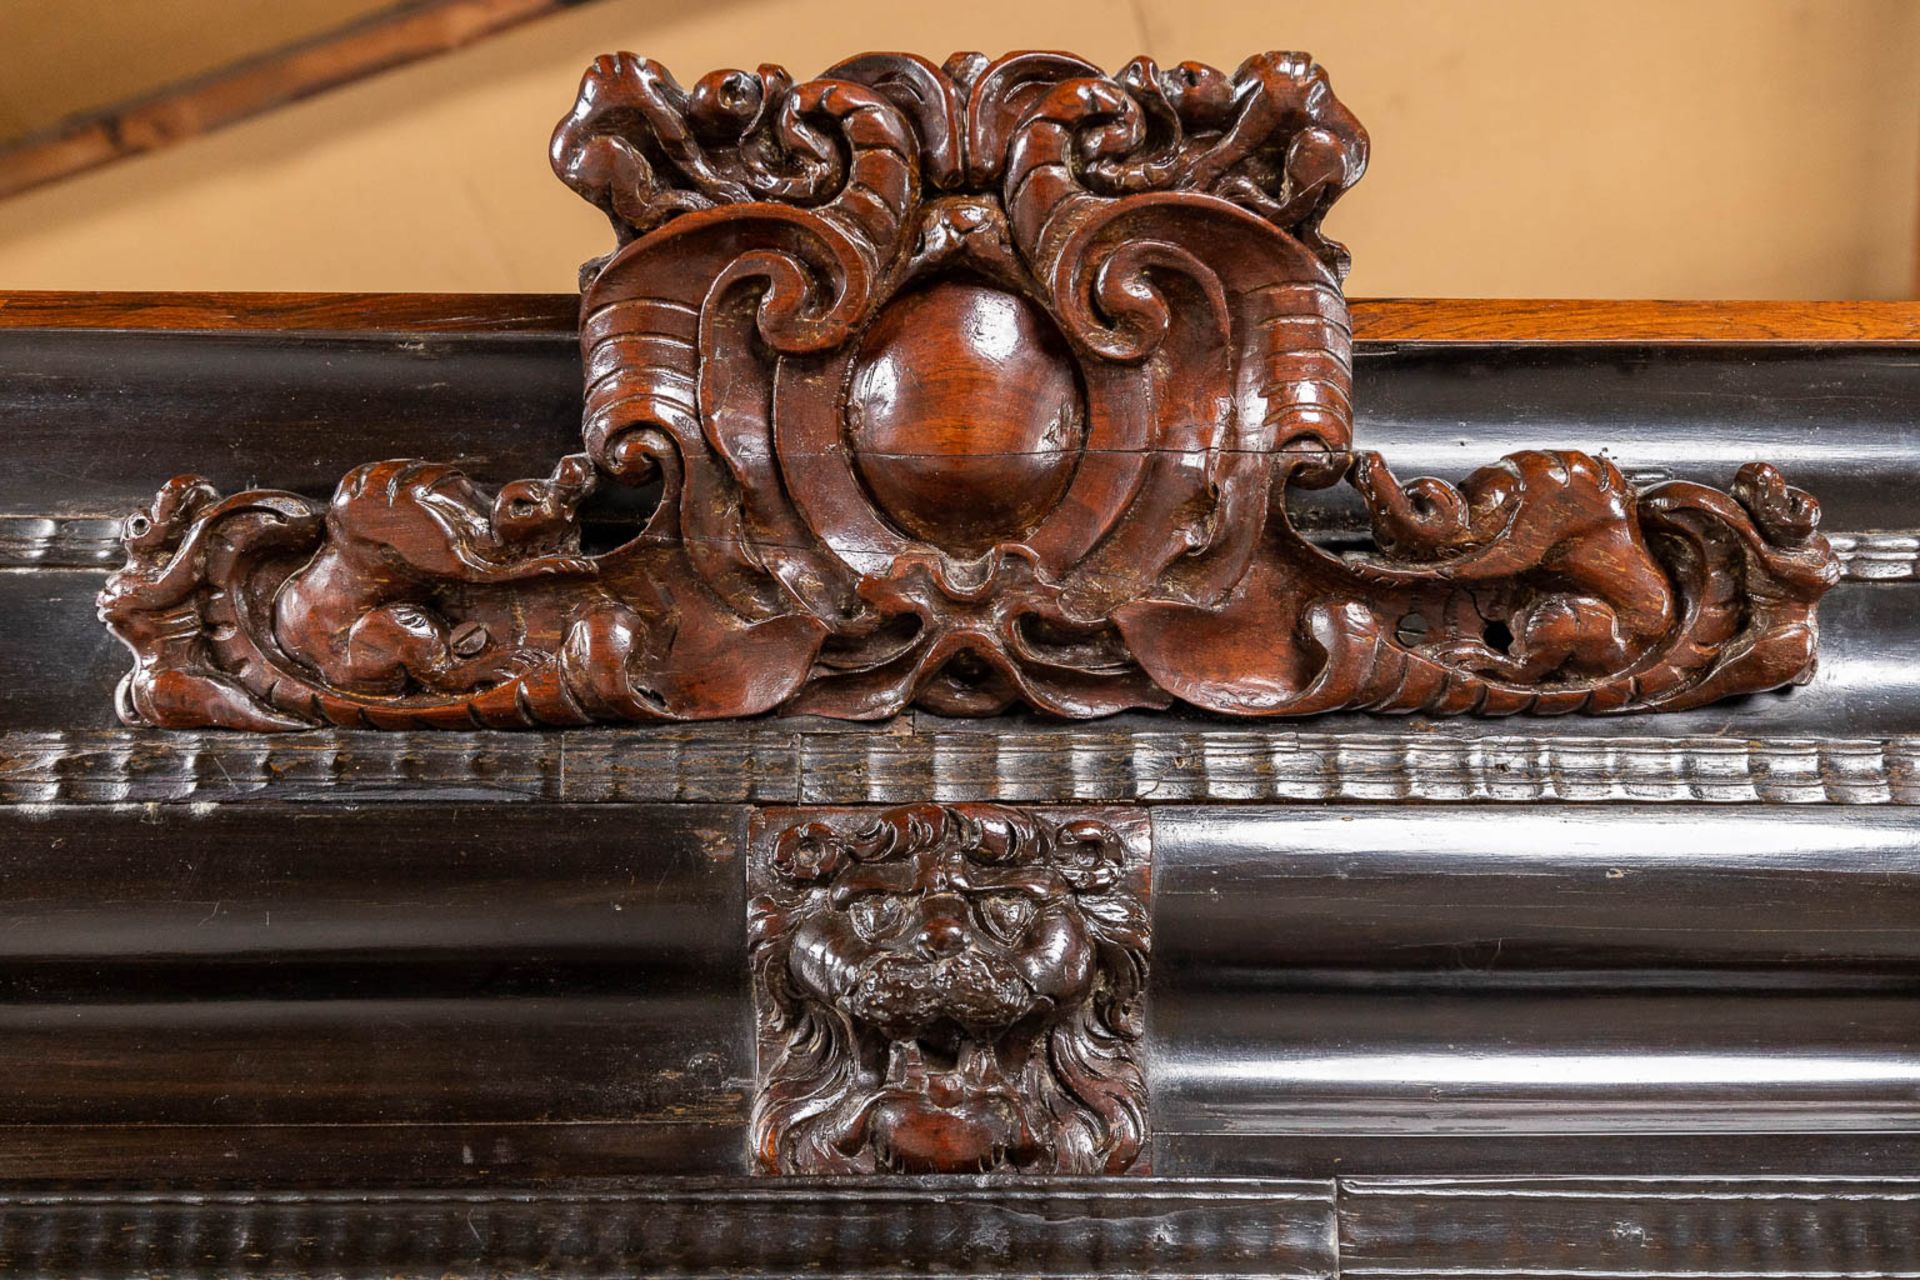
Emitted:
pixel 1511 320
pixel 1424 320
pixel 810 762
pixel 1384 1228
pixel 293 312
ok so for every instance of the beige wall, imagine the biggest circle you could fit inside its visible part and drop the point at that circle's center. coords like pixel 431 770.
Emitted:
pixel 68 57
pixel 1607 148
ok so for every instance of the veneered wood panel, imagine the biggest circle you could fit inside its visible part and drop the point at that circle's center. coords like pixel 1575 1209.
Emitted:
pixel 1375 320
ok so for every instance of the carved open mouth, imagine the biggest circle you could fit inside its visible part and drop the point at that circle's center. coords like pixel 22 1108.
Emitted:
pixel 944 1059
pixel 947 1107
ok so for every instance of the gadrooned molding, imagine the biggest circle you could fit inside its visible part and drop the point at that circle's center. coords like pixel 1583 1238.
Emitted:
pixel 1382 1228
pixel 785 762
pixel 767 1227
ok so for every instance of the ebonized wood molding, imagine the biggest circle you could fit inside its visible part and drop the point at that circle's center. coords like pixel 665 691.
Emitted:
pixel 921 759
pixel 1350 995
pixel 1275 1230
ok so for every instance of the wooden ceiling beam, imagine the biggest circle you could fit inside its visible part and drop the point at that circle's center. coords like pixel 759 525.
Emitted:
pixel 405 33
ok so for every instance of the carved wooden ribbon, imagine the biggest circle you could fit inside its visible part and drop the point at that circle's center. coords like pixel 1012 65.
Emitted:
pixel 966 387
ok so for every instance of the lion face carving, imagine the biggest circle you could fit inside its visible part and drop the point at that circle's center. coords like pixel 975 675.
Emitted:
pixel 948 989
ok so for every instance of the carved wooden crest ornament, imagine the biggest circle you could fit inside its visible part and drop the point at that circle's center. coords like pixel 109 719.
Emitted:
pixel 966 387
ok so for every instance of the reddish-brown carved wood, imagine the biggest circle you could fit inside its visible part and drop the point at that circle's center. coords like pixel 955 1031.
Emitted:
pixel 949 989
pixel 966 386
pixel 964 416
pixel 1375 320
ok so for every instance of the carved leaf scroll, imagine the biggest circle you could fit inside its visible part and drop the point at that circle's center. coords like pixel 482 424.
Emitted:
pixel 968 387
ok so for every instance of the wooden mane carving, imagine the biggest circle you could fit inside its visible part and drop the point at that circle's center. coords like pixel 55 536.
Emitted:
pixel 964 387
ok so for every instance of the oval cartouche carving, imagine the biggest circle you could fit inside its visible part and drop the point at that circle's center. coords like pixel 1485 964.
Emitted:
pixel 965 415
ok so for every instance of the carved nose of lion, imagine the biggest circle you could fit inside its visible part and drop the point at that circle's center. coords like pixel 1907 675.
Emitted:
pixel 943 926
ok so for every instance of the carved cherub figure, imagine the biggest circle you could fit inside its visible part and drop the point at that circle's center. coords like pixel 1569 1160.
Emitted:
pixel 361 614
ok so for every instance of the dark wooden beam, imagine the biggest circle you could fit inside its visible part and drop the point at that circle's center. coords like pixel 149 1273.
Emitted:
pixel 407 32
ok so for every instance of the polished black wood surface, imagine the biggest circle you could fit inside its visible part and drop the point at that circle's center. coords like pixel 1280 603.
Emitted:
pixel 244 406
pixel 1568 997
pixel 303 407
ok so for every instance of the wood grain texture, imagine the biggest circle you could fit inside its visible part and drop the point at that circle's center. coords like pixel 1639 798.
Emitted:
pixel 294 312
pixel 1375 320
pixel 1572 1227
pixel 406 33
pixel 1597 320
pixel 1027 455
pixel 1273 1230
pixel 769 763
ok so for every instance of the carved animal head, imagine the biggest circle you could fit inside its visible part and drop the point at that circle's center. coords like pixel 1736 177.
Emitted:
pixel 404 521
pixel 152 538
pixel 538 514
pixel 949 989
pixel 167 552
pixel 159 528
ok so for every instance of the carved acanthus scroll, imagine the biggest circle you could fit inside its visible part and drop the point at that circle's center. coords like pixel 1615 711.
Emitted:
pixel 966 387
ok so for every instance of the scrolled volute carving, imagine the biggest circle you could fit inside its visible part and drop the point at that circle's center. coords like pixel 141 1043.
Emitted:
pixel 967 386
pixel 949 989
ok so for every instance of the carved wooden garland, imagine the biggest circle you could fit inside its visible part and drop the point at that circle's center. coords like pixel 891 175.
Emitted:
pixel 966 386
